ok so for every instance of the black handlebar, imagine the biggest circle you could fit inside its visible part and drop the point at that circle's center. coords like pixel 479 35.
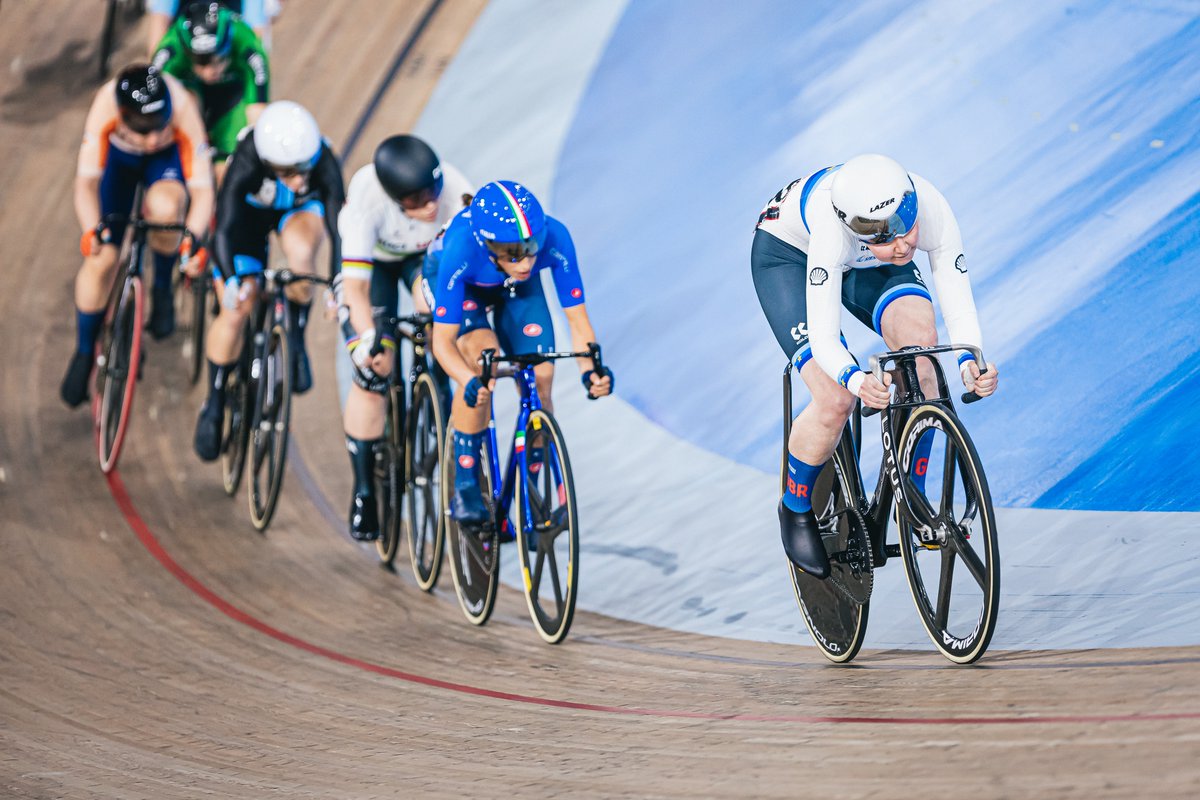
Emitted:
pixel 488 358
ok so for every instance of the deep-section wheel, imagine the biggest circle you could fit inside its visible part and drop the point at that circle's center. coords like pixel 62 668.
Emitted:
pixel 235 427
pixel 268 440
pixel 389 492
pixel 548 528
pixel 117 372
pixel 425 432
pixel 954 566
pixel 474 554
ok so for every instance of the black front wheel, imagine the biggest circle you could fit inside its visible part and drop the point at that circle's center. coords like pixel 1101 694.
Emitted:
pixel 389 466
pixel 117 372
pixel 953 566
pixel 548 528
pixel 268 440
pixel 425 432
pixel 235 427
pixel 474 553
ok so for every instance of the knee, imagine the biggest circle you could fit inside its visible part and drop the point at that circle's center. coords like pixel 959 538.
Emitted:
pixel 164 201
pixel 833 407
pixel 299 251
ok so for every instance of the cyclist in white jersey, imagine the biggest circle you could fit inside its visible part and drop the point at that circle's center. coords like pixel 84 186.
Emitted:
pixel 395 207
pixel 846 235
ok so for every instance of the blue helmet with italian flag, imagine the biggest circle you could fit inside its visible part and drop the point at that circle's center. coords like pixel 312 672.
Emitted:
pixel 508 220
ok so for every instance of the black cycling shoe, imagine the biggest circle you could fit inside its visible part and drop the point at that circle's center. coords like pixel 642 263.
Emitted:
pixel 467 508
pixel 162 314
pixel 74 389
pixel 364 518
pixel 302 379
pixel 208 433
pixel 802 541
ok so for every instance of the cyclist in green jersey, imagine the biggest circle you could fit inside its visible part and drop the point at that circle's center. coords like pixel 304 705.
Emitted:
pixel 222 61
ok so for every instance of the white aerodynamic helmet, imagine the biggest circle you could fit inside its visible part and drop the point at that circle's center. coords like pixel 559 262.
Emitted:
pixel 287 137
pixel 875 198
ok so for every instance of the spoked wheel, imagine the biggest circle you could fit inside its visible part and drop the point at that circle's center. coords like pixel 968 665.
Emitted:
pixel 389 458
pixel 191 319
pixel 548 529
pixel 474 554
pixel 235 429
pixel 117 373
pixel 954 569
pixel 835 608
pixel 268 439
pixel 424 434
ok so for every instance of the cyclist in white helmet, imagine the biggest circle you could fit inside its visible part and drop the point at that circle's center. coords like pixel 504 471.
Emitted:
pixel 282 177
pixel 846 236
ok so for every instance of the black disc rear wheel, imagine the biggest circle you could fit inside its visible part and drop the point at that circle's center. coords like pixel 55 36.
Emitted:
pixel 835 609
pixel 954 567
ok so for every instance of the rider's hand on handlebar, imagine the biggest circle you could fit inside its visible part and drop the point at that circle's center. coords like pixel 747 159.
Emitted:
pixel 982 385
pixel 873 393
pixel 597 386
pixel 193 257
pixel 334 298
pixel 92 239
pixel 475 392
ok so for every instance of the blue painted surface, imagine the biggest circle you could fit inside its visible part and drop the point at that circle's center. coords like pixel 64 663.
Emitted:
pixel 1065 137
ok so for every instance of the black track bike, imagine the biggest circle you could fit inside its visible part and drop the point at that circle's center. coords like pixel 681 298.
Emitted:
pixel 931 482
pixel 119 347
pixel 407 464
pixel 258 408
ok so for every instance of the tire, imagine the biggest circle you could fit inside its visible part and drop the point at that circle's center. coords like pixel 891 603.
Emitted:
pixel 389 492
pixel 548 531
pixel 962 617
pixel 474 556
pixel 268 434
pixel 118 374
pixel 837 623
pixel 423 482
pixel 199 300
pixel 235 430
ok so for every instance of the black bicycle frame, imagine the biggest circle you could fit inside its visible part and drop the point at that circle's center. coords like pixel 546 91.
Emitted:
pixel 893 482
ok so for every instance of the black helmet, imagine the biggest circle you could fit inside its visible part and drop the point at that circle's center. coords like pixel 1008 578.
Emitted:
pixel 206 30
pixel 143 99
pixel 407 166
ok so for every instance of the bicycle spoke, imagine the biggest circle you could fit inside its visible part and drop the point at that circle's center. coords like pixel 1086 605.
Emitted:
pixel 945 586
pixel 949 472
pixel 959 544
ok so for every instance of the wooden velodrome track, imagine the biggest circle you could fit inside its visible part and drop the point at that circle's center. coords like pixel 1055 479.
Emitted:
pixel 153 645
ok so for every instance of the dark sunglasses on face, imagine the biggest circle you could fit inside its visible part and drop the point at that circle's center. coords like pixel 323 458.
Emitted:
pixel 512 252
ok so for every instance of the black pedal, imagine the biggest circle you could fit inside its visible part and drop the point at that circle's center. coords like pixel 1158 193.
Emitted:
pixel 891 550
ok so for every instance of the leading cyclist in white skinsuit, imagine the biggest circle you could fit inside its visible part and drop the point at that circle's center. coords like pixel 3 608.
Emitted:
pixel 846 235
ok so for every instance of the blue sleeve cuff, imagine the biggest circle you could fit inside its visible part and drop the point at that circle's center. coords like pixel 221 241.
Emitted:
pixel 846 374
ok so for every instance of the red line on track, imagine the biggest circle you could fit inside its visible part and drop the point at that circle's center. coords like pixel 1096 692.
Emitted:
pixel 154 546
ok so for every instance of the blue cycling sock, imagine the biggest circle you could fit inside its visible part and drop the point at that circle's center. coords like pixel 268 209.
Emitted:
pixel 920 462
pixel 466 453
pixel 87 325
pixel 800 480
pixel 163 266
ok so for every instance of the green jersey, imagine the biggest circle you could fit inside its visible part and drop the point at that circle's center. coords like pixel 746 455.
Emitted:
pixel 246 81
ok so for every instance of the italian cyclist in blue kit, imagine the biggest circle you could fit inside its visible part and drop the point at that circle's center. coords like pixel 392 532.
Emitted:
pixel 846 236
pixel 282 177
pixel 395 207
pixel 491 256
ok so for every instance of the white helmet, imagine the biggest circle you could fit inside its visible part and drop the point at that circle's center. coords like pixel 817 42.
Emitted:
pixel 287 137
pixel 874 197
